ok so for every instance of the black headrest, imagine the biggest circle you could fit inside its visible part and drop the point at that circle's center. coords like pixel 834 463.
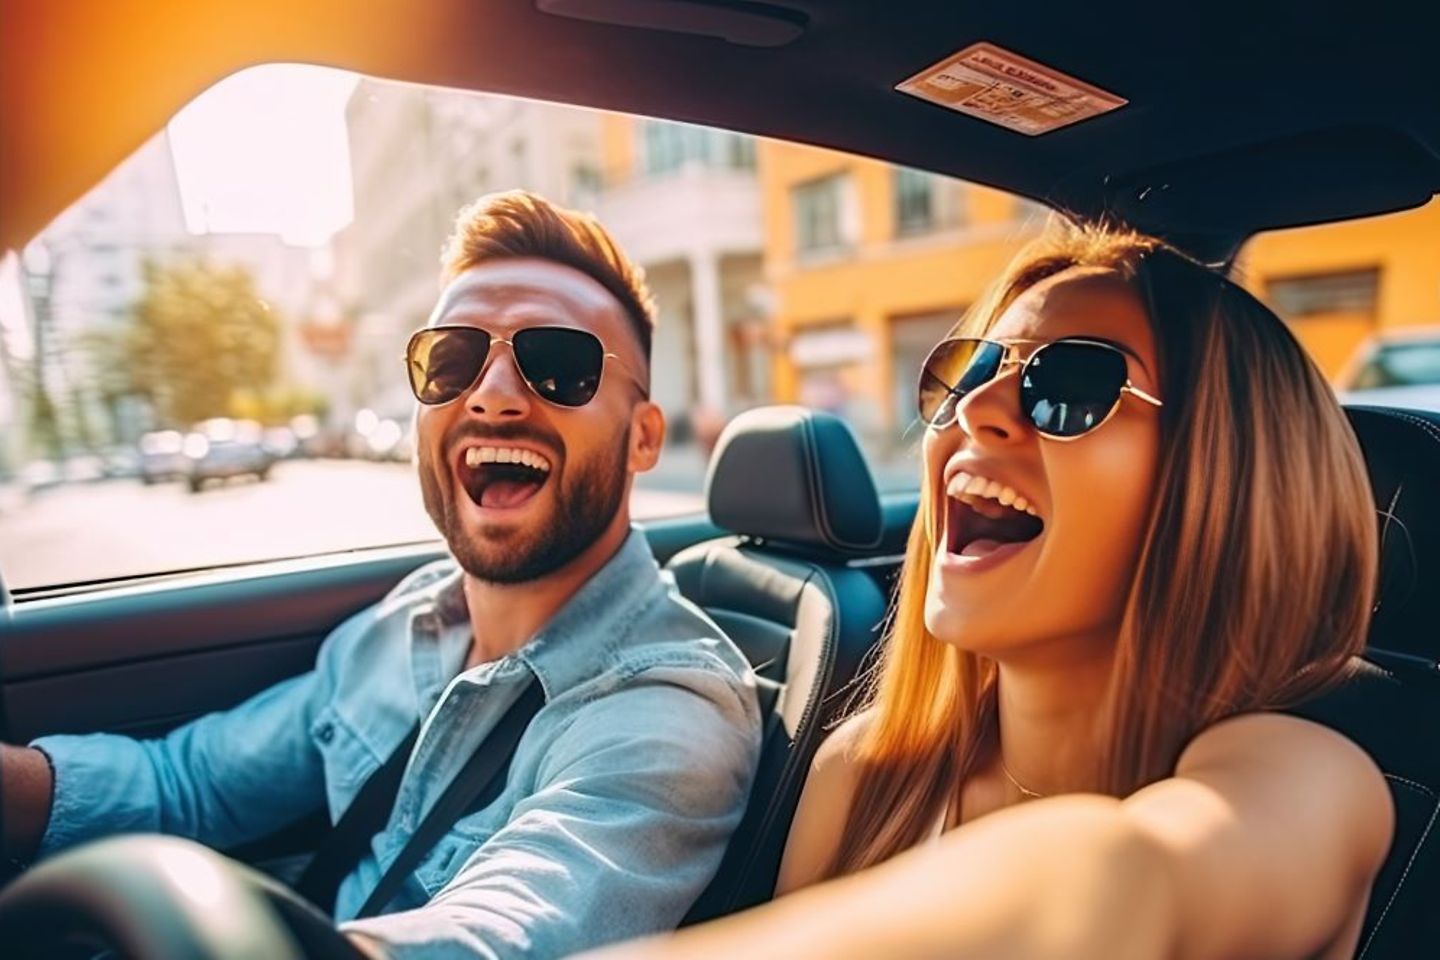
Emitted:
pixel 795 476
pixel 1402 452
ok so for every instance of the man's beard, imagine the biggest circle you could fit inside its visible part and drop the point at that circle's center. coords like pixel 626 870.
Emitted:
pixel 586 501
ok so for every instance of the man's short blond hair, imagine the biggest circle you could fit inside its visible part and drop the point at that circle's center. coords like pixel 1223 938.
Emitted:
pixel 518 223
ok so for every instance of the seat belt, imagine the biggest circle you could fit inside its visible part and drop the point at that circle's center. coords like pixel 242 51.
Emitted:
pixel 347 841
pixel 474 788
pixel 477 785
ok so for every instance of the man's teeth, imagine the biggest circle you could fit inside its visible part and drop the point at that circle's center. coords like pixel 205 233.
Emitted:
pixel 970 488
pixel 474 456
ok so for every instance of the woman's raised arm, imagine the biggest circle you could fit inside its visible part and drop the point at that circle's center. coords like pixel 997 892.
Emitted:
pixel 1260 846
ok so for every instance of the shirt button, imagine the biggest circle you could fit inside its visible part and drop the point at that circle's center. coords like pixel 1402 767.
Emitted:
pixel 326 733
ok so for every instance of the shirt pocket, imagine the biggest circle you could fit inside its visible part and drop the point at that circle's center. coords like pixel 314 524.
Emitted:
pixel 452 852
pixel 348 761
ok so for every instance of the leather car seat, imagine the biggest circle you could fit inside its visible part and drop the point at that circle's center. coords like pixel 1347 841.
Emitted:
pixel 1391 708
pixel 793 488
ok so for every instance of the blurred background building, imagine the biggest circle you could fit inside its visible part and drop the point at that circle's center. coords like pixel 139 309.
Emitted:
pixel 782 273
pixel 417 156
pixel 1337 284
pixel 871 264
pixel 684 202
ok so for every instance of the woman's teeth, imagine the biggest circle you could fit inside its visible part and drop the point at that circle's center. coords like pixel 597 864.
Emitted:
pixel 976 491
pixel 475 456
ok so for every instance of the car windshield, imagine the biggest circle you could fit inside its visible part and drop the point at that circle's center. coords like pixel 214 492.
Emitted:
pixel 199 360
pixel 1401 365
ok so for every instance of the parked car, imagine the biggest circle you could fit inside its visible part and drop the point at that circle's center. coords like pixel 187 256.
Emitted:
pixel 85 468
pixel 1396 369
pixel 280 442
pixel 220 449
pixel 162 457
pixel 122 463
pixel 38 475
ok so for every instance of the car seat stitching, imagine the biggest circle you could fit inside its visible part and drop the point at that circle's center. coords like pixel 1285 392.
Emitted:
pixel 1413 785
pixel 1414 855
pixel 1421 422
pixel 1389 513
pixel 805 728
pixel 810 449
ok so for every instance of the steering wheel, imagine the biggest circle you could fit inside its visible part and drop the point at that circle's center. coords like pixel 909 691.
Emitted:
pixel 162 898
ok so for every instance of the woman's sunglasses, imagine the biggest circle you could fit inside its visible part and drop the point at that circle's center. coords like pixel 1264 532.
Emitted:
pixel 1068 387
pixel 561 364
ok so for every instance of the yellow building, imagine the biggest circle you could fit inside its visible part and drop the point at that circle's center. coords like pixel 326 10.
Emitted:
pixel 869 265
pixel 1338 283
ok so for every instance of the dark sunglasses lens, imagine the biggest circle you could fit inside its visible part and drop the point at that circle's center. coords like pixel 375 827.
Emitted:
pixel 563 366
pixel 953 369
pixel 444 363
pixel 1070 388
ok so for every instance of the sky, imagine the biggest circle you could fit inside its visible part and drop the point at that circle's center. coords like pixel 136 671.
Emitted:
pixel 265 151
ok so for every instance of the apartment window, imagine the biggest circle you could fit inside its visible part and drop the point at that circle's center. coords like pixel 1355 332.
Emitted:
pixel 667 147
pixel 584 185
pixel 914 201
pixel 738 150
pixel 820 214
pixel 1353 291
pixel 519 161
pixel 912 337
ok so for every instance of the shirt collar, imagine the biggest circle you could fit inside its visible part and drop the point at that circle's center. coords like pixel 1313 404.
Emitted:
pixel 572 647
pixel 577 642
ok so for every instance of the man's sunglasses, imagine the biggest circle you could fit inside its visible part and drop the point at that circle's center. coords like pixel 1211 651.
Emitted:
pixel 561 364
pixel 1068 387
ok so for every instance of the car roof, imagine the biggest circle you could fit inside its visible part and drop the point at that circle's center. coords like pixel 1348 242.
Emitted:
pixel 1240 117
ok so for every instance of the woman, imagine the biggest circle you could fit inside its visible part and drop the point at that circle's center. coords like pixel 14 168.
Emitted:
pixel 1144 529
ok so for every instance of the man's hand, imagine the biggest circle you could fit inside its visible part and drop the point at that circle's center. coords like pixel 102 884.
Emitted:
pixel 26 783
pixel 368 947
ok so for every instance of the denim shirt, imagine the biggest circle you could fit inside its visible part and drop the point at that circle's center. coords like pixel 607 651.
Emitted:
pixel 615 812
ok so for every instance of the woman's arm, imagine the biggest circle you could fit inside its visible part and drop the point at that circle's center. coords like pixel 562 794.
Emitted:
pixel 1262 845
pixel 824 806
pixel 1276 827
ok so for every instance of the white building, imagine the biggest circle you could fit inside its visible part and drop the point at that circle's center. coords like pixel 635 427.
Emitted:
pixel 88 273
pixel 684 202
pixel 417 156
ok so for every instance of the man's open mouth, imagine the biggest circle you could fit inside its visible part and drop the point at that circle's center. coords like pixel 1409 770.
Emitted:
pixel 502 478
pixel 985 516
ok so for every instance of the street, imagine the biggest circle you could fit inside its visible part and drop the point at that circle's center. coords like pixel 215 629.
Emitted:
pixel 110 528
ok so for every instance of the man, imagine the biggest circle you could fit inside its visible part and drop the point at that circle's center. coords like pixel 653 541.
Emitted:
pixel 532 379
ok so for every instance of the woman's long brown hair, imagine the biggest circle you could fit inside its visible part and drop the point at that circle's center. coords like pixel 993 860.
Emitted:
pixel 1254 582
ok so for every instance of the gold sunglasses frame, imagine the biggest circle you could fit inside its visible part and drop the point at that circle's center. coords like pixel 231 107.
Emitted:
pixel 1010 357
pixel 510 342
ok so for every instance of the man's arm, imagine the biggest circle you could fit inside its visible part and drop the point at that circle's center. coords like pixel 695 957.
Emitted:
pixel 1264 843
pixel 633 807
pixel 25 785
pixel 221 779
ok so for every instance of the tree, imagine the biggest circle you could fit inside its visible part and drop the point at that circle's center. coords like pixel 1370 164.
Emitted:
pixel 200 333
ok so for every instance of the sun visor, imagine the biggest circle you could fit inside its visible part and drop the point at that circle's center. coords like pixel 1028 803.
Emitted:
pixel 1316 178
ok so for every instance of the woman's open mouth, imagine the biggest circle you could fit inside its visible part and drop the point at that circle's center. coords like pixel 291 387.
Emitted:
pixel 987 522
pixel 502 478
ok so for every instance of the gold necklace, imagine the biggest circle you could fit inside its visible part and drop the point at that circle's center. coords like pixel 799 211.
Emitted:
pixel 1024 790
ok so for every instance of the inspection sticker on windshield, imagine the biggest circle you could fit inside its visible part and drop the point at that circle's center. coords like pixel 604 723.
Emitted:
pixel 1007 89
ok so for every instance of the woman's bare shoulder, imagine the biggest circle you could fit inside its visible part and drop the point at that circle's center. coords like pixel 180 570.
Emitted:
pixel 1264 737
pixel 824 806
pixel 841 747
pixel 1288 751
